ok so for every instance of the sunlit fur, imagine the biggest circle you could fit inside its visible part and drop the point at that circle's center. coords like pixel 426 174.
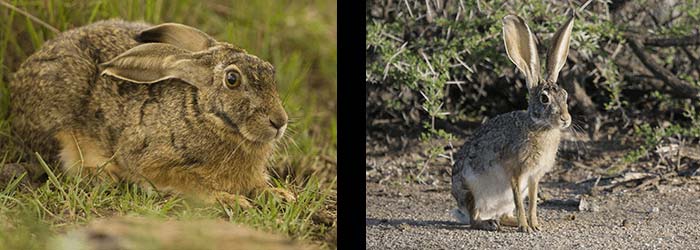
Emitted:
pixel 555 113
pixel 503 161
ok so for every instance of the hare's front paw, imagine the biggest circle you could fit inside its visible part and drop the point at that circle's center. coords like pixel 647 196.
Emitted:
pixel 524 229
pixel 282 194
pixel 534 223
pixel 12 171
pixel 233 200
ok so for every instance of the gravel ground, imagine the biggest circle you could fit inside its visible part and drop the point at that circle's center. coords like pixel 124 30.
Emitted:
pixel 653 203
pixel 414 216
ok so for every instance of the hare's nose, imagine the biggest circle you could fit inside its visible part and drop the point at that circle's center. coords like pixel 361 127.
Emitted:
pixel 565 119
pixel 278 121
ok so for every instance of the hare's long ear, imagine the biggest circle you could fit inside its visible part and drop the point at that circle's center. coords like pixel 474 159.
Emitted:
pixel 521 48
pixel 182 36
pixel 559 50
pixel 153 62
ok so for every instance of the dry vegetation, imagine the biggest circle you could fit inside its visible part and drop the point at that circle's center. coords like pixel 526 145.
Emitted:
pixel 436 69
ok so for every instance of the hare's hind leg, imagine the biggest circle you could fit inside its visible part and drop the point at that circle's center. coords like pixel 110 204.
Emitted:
pixel 518 198
pixel 83 155
pixel 465 212
pixel 475 219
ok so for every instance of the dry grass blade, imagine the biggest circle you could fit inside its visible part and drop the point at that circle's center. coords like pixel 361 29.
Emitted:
pixel 30 16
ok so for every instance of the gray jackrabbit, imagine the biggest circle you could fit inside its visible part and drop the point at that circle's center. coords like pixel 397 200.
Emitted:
pixel 506 157
pixel 165 105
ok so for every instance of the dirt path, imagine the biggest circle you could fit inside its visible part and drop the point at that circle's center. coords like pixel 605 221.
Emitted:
pixel 418 217
pixel 403 214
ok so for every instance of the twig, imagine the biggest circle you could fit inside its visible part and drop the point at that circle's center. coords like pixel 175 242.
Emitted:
pixel 646 182
pixel 409 8
pixel 695 63
pixel 585 5
pixel 673 41
pixel 429 12
pixel 30 16
pixel 388 63
pixel 428 62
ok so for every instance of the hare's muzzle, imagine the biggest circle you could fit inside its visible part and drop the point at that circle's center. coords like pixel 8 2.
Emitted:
pixel 279 124
pixel 565 120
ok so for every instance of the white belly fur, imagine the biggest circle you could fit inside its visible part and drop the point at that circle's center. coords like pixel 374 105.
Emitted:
pixel 492 190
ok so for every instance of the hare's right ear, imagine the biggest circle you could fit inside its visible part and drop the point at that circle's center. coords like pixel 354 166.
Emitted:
pixel 521 48
pixel 559 50
pixel 180 35
pixel 153 62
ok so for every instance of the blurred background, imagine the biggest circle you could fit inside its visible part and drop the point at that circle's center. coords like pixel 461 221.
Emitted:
pixel 297 37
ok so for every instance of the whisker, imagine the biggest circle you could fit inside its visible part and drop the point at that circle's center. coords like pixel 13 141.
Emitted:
pixel 579 132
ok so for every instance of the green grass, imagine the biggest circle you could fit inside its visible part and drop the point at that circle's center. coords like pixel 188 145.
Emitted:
pixel 298 37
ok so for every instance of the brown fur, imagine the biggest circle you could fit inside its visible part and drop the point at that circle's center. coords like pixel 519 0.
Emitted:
pixel 157 112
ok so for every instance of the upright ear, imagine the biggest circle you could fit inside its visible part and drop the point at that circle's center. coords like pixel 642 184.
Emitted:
pixel 559 50
pixel 153 62
pixel 181 36
pixel 521 48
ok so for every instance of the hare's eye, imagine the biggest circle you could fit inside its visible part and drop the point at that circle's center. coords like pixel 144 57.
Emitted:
pixel 232 79
pixel 544 99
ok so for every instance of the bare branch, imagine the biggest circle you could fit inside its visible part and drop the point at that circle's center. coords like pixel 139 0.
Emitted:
pixel 673 41
pixel 677 86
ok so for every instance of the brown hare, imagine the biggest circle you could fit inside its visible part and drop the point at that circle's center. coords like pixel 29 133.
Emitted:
pixel 166 106
pixel 505 158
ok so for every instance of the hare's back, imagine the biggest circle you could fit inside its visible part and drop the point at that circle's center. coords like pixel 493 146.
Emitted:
pixel 52 86
pixel 495 140
pixel 91 44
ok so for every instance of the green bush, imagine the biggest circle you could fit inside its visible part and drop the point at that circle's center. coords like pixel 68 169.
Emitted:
pixel 446 61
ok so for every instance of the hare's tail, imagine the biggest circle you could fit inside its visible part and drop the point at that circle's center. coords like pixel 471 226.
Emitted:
pixel 461 215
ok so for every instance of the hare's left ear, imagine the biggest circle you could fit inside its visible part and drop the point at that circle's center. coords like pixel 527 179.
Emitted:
pixel 154 62
pixel 182 36
pixel 521 48
pixel 559 50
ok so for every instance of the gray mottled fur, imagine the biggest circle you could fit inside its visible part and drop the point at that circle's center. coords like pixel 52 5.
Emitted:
pixel 505 158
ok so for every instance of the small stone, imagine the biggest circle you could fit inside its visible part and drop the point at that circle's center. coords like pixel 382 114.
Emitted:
pixel 545 196
pixel 654 210
pixel 582 204
pixel 625 223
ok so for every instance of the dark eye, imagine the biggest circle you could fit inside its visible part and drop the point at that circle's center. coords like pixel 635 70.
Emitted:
pixel 544 99
pixel 233 79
